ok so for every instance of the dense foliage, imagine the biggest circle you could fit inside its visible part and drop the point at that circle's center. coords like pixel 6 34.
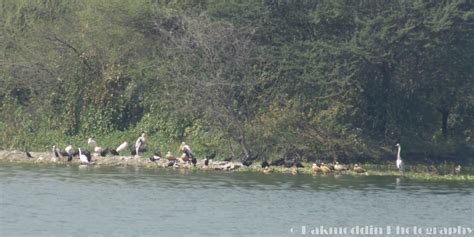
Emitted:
pixel 306 79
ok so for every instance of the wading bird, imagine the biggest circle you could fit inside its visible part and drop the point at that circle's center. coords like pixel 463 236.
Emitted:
pixel 457 169
pixel 84 159
pixel 399 158
pixel 140 144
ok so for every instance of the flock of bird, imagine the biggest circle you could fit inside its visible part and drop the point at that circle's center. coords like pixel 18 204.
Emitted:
pixel 187 156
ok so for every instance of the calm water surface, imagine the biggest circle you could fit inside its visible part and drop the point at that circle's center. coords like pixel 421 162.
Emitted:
pixel 97 201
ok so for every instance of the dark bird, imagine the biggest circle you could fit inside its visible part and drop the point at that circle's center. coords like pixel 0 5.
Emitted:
pixel 264 164
pixel 28 155
pixel 289 164
pixel 247 162
pixel 299 165
pixel 278 162
pixel 171 163
pixel 87 154
pixel 56 152
pixel 104 152
pixel 206 161
pixel 156 156
pixel 194 161
pixel 114 152
pixel 249 159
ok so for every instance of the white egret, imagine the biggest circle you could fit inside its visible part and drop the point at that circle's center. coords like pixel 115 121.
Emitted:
pixel 399 158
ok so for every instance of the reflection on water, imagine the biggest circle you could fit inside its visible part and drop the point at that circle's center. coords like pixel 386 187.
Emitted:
pixel 68 200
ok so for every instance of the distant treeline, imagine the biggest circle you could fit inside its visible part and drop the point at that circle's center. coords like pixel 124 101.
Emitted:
pixel 315 80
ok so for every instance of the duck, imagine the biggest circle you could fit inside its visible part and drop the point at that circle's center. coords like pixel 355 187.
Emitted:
pixel 325 169
pixel 339 167
pixel 169 156
pixel 264 164
pixel 316 168
pixel 278 162
pixel 358 169
pixel 267 170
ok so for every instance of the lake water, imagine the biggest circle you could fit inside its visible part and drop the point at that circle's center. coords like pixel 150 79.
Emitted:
pixel 96 201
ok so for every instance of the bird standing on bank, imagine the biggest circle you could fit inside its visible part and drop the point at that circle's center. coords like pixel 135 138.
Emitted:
pixel 140 144
pixel 399 161
pixel 84 159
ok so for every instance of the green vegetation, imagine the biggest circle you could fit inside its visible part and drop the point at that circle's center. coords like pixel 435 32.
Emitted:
pixel 316 80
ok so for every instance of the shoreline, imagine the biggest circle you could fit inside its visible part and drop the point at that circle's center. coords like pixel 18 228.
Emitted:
pixel 44 158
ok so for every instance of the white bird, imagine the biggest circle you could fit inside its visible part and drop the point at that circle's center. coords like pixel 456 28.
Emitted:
pixel 68 149
pixel 122 147
pixel 399 158
pixel 91 142
pixel 98 149
pixel 140 143
pixel 83 157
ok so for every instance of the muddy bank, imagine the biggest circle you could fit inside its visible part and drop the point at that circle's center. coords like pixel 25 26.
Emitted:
pixel 418 172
